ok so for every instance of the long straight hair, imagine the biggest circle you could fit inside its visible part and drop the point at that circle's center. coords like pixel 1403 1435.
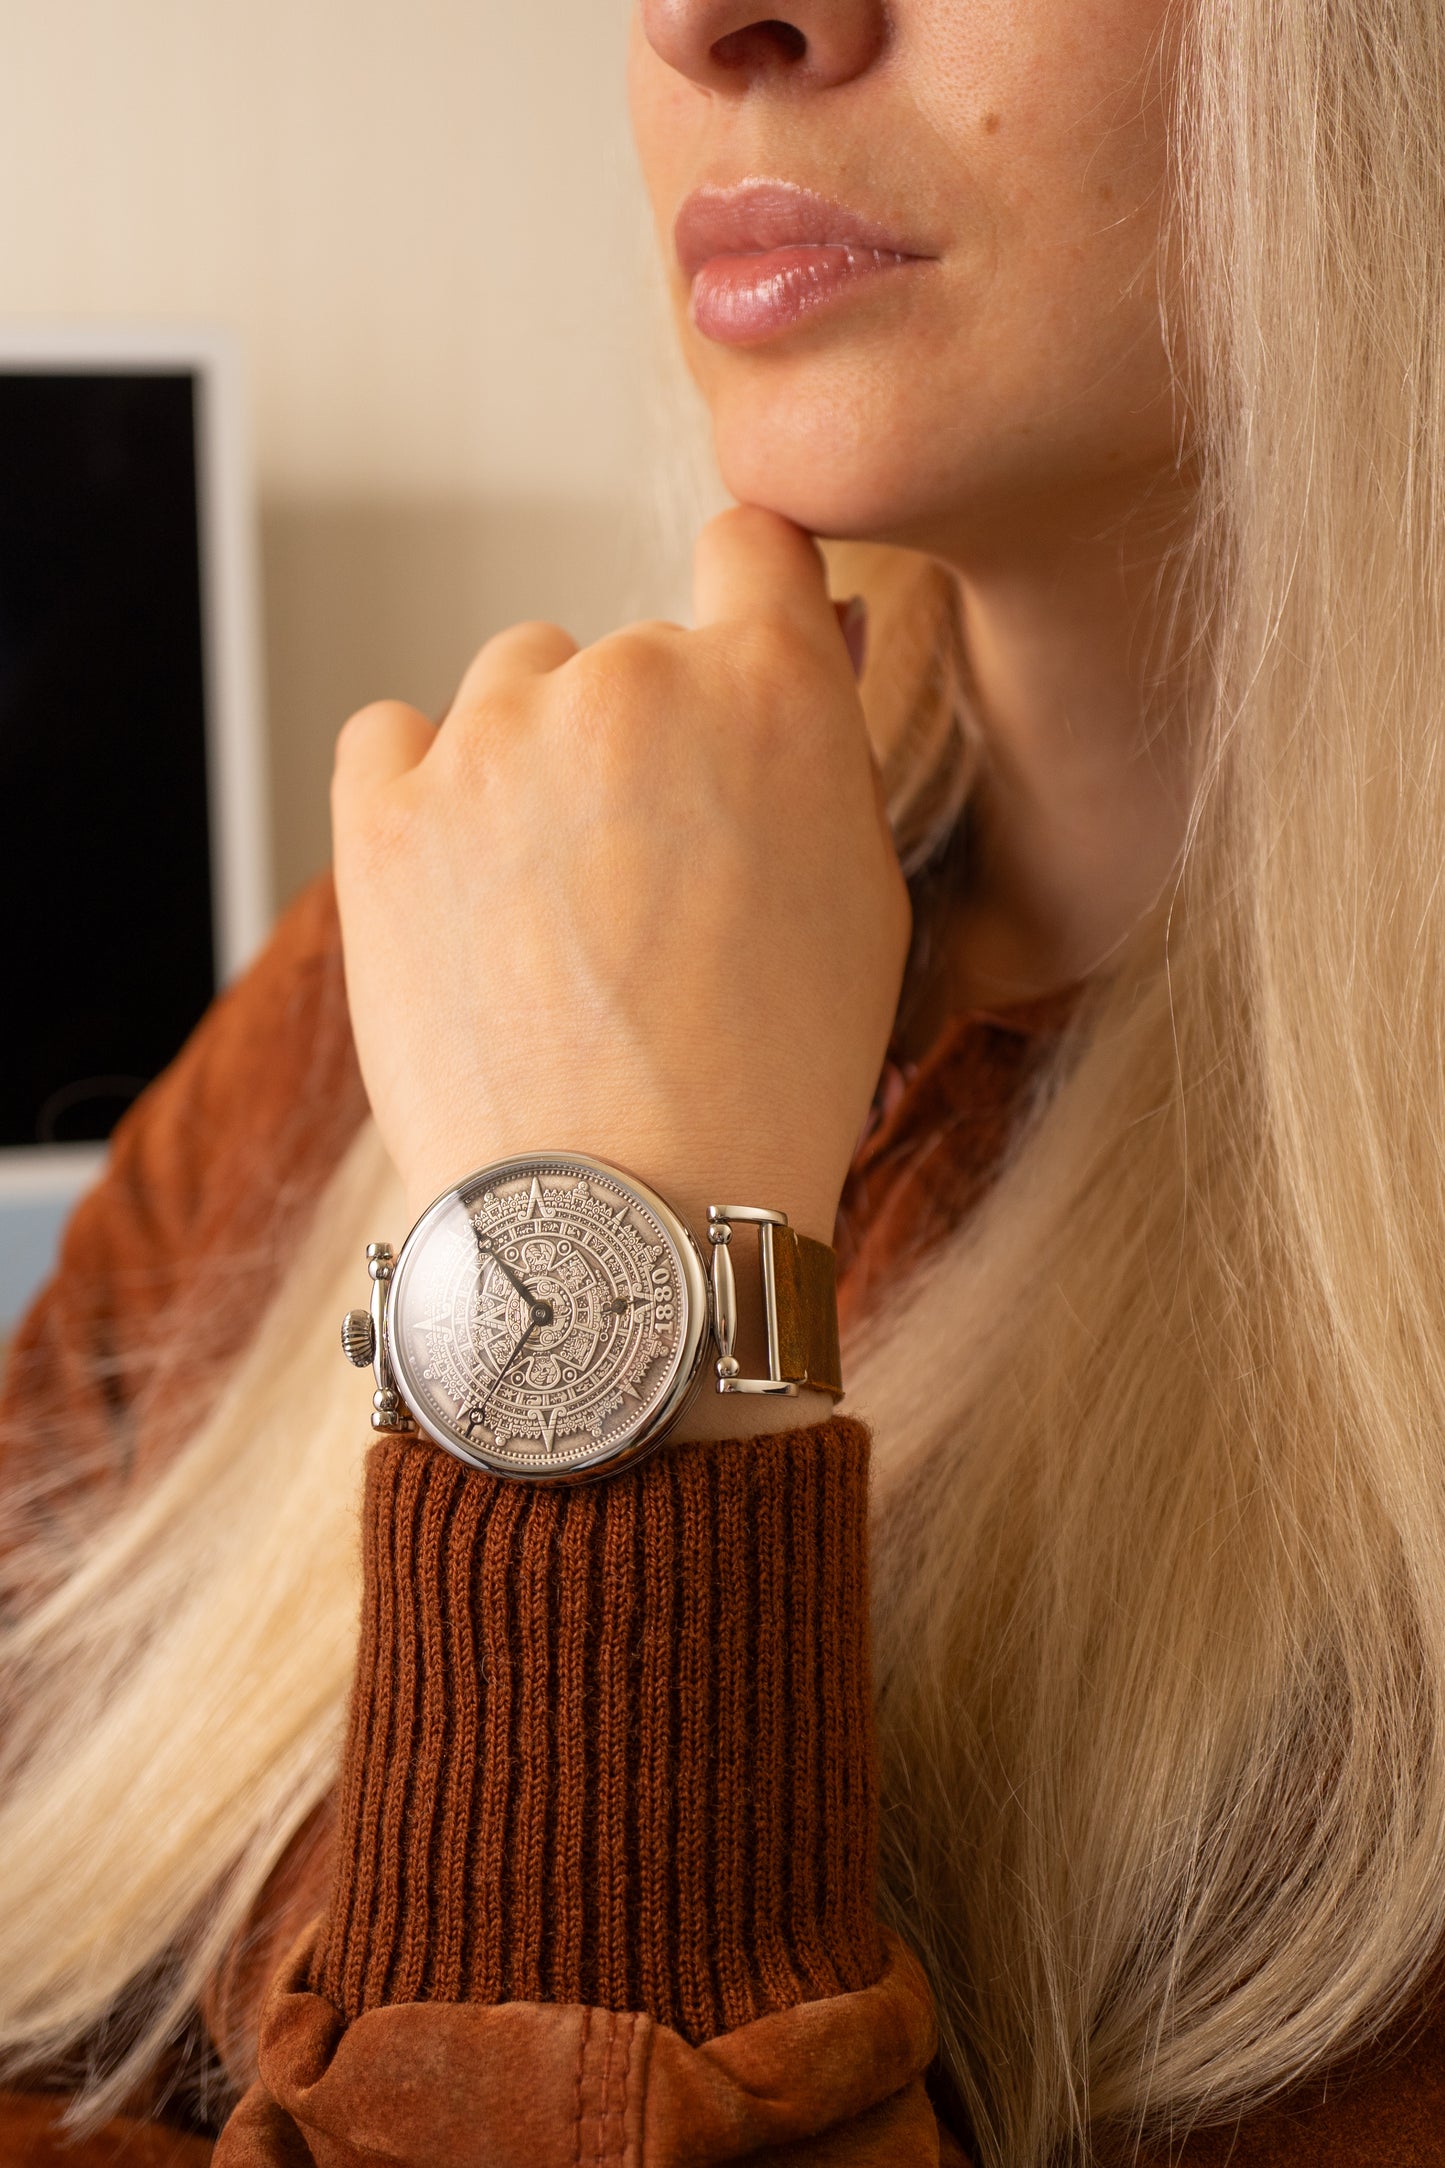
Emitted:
pixel 1161 1524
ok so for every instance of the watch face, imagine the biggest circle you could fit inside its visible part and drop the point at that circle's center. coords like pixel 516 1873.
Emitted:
pixel 546 1317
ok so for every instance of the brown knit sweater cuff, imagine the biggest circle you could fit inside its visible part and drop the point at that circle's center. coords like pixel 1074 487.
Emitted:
pixel 612 1745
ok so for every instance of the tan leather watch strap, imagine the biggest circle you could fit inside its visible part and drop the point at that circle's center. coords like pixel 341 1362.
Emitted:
pixel 805 1280
pixel 800 1304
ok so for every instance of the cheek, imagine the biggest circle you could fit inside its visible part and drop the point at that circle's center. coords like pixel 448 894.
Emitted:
pixel 1052 119
pixel 662 107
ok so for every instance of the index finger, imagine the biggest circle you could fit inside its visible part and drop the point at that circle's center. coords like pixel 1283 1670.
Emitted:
pixel 749 562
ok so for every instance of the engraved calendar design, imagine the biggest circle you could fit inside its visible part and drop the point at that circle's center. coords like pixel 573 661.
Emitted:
pixel 546 1315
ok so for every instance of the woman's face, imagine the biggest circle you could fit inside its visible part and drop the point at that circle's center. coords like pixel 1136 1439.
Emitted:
pixel 913 248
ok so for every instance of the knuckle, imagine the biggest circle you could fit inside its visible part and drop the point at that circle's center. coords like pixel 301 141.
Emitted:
pixel 529 632
pixel 626 678
pixel 519 652
pixel 360 729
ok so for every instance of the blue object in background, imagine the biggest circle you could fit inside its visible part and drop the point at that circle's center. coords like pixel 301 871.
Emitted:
pixel 33 1213
pixel 32 1236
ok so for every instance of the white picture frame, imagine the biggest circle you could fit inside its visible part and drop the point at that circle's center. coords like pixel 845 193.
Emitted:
pixel 39 1183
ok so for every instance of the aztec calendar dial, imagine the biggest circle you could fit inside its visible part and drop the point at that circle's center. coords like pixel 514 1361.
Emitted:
pixel 545 1316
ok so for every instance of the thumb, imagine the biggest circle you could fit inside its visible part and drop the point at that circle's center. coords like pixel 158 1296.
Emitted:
pixel 749 563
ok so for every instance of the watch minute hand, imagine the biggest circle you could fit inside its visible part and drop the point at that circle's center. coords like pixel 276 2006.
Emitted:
pixel 496 1382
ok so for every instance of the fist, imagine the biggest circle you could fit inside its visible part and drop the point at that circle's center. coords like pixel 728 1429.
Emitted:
pixel 638 900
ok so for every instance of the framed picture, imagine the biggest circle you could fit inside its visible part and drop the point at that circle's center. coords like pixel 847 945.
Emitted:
pixel 132 769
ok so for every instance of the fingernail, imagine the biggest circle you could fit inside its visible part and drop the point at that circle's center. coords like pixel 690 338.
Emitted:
pixel 855 633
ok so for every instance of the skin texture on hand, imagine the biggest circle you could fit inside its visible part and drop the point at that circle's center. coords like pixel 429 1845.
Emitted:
pixel 638 900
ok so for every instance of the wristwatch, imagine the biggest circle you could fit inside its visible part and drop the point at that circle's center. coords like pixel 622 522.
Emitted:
pixel 550 1317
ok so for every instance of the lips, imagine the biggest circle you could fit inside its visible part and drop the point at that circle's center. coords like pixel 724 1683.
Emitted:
pixel 762 256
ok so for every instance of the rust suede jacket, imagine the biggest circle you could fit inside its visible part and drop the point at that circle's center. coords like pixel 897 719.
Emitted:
pixel 596 1880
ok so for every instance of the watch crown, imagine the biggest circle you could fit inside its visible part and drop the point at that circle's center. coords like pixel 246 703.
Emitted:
pixel 358 1338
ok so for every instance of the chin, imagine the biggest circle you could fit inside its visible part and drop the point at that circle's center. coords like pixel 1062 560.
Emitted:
pixel 835 484
pixel 849 493
pixel 843 509
pixel 920 480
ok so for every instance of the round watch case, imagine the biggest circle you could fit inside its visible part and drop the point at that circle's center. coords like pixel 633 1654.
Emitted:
pixel 547 1318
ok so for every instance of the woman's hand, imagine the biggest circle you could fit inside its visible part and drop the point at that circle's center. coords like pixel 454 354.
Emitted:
pixel 639 900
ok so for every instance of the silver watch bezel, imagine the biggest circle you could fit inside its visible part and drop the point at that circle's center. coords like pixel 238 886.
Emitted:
pixel 653 1426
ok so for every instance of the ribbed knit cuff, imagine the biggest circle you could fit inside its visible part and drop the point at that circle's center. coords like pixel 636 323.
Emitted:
pixel 613 1744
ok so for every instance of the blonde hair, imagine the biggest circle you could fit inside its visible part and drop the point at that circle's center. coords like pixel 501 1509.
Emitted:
pixel 1161 1529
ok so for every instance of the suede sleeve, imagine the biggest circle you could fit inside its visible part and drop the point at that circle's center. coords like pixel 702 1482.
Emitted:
pixel 828 2084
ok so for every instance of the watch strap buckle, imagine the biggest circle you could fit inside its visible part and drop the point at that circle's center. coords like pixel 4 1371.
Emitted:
pixel 800 1305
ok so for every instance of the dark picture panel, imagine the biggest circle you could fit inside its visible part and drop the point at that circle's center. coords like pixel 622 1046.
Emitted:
pixel 109 960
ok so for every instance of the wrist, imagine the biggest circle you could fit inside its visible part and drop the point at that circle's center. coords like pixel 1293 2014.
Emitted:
pixel 711 1415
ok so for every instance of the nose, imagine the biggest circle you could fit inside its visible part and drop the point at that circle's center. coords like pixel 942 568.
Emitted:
pixel 727 45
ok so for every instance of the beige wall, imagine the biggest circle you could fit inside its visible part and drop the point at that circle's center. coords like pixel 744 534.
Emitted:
pixel 422 218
